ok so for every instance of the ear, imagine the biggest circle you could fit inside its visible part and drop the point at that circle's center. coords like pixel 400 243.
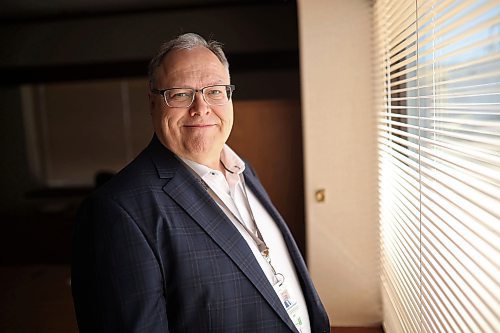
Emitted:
pixel 152 102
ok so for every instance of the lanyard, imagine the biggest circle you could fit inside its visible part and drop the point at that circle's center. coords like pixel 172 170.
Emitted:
pixel 291 306
pixel 257 236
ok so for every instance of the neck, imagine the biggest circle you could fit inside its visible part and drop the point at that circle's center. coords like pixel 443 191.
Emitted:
pixel 213 163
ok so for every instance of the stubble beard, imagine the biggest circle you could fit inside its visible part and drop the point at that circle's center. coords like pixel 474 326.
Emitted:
pixel 200 144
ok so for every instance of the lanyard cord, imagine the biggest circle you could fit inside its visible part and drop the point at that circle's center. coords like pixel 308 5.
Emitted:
pixel 265 251
pixel 257 236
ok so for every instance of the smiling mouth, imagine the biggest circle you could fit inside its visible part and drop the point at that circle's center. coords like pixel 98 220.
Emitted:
pixel 199 126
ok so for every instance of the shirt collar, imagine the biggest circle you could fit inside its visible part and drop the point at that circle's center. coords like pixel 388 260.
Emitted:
pixel 233 163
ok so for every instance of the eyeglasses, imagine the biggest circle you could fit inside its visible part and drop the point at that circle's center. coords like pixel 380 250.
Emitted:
pixel 183 97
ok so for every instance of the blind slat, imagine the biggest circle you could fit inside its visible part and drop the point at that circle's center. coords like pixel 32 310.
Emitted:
pixel 437 107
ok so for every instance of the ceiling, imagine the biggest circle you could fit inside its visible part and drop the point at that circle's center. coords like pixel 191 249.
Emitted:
pixel 22 10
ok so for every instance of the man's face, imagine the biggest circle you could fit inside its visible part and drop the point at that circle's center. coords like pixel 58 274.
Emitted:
pixel 198 132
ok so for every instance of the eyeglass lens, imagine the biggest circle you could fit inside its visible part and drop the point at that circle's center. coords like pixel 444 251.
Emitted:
pixel 183 97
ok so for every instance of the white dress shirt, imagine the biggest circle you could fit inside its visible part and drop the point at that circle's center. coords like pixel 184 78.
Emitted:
pixel 231 191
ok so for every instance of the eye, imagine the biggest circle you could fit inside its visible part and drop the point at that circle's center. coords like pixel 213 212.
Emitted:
pixel 177 94
pixel 215 92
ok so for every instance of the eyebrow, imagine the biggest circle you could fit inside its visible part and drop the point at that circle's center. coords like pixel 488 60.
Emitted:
pixel 213 83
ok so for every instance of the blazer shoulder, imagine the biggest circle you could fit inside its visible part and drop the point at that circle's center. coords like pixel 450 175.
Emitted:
pixel 137 172
pixel 249 169
pixel 147 170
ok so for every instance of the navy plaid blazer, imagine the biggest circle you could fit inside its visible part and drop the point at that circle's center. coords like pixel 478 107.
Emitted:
pixel 152 252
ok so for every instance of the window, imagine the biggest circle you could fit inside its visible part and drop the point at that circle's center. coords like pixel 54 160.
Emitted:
pixel 437 80
pixel 77 129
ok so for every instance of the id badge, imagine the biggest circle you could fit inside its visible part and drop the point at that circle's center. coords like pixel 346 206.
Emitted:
pixel 290 304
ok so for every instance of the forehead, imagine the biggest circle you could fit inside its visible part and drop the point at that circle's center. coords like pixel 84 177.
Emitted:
pixel 198 66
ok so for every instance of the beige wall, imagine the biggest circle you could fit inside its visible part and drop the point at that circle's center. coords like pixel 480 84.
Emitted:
pixel 340 157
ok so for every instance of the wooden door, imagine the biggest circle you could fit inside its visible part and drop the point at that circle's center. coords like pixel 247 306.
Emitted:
pixel 268 134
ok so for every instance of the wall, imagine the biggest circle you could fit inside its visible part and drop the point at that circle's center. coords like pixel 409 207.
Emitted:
pixel 14 180
pixel 63 44
pixel 340 157
pixel 137 36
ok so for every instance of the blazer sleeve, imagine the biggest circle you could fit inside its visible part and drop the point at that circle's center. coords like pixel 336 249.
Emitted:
pixel 117 281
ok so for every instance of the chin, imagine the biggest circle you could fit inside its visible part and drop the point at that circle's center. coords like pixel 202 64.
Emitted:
pixel 199 147
pixel 202 147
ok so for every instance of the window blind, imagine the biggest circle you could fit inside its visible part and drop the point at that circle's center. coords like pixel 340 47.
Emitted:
pixel 437 96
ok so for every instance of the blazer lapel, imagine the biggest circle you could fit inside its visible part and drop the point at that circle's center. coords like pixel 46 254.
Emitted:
pixel 314 304
pixel 184 188
pixel 254 185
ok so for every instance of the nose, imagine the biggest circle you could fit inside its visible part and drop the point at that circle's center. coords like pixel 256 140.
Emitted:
pixel 199 106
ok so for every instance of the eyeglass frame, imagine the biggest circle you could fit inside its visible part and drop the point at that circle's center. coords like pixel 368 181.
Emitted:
pixel 161 92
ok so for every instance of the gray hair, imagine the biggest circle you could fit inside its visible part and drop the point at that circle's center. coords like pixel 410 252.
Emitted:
pixel 185 41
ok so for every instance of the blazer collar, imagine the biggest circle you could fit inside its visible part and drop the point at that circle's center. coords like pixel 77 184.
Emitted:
pixel 185 189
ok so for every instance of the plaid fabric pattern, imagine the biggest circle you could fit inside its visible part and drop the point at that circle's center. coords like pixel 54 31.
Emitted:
pixel 154 253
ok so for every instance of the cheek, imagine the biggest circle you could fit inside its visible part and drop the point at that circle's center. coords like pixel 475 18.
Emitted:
pixel 227 116
pixel 162 121
pixel 230 119
pixel 230 122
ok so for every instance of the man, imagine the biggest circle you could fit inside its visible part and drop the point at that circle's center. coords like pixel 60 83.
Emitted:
pixel 185 238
